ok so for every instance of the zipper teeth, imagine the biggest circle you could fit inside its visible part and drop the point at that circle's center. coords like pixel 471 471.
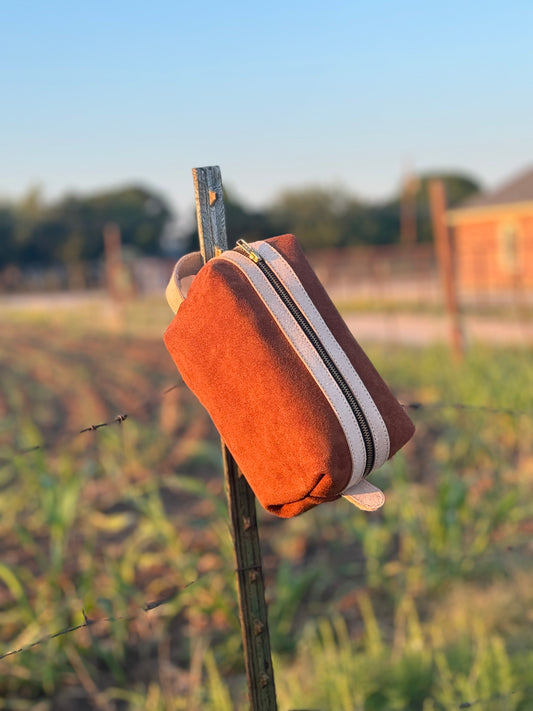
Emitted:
pixel 326 358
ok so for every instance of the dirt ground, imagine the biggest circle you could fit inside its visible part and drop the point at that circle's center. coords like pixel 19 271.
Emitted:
pixel 368 326
pixel 421 329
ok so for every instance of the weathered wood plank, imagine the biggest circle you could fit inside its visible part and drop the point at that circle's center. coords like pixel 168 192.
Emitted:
pixel 210 213
pixel 241 501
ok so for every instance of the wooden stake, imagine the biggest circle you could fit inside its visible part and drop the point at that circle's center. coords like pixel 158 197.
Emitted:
pixel 408 226
pixel 113 259
pixel 241 501
pixel 443 249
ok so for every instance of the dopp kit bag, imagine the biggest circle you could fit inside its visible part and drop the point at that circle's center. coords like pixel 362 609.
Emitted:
pixel 298 403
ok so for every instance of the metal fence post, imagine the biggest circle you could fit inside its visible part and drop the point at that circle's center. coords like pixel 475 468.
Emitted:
pixel 241 501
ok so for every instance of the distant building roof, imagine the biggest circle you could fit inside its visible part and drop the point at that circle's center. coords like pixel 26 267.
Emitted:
pixel 518 190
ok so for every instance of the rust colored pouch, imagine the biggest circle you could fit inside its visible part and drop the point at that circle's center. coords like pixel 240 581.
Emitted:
pixel 298 403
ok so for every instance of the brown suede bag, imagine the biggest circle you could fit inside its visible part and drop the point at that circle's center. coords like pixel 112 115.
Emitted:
pixel 298 403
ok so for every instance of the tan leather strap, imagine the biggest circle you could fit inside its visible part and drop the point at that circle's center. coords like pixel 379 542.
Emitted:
pixel 188 265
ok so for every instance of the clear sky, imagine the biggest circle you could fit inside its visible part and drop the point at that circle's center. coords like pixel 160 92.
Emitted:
pixel 279 94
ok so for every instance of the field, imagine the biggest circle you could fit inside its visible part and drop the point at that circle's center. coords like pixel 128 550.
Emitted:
pixel 423 606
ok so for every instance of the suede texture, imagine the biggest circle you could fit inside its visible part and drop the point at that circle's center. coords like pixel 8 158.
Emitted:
pixel 274 418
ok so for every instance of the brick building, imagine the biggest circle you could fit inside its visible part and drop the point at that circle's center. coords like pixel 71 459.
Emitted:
pixel 493 236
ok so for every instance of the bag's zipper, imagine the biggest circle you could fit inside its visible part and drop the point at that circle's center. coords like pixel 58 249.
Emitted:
pixel 312 336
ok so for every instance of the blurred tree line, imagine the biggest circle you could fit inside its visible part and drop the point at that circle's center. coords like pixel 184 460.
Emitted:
pixel 70 230
pixel 323 217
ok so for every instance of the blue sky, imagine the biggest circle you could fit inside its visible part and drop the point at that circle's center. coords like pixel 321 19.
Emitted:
pixel 279 94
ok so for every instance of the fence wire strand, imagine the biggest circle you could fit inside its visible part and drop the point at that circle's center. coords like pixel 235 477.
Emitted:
pixel 87 622
pixel 148 403
pixel 462 406
pixel 143 406
pixel 527 690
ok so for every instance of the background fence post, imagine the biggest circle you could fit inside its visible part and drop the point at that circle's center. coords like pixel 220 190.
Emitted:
pixel 443 249
pixel 241 501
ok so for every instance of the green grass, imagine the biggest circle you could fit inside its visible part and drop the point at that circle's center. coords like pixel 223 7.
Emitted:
pixel 423 605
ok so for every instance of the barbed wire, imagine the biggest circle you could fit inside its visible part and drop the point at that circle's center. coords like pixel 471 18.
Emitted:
pixel 87 622
pixel 148 402
pixel 528 690
pixel 149 606
pixel 441 405
pixel 118 420
pixel 91 428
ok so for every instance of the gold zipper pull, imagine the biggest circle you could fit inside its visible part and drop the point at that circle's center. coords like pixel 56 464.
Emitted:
pixel 249 251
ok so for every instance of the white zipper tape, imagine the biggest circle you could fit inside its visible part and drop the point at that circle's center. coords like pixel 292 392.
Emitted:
pixel 309 357
pixel 291 282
